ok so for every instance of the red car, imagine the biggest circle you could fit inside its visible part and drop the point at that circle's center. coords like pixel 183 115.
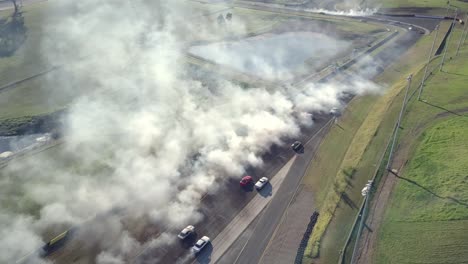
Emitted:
pixel 246 180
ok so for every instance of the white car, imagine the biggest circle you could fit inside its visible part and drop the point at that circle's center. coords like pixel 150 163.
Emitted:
pixel 186 232
pixel 261 183
pixel 201 243
pixel 335 111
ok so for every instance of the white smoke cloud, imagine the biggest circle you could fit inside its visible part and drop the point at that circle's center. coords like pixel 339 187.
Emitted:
pixel 146 136
pixel 350 12
pixel 351 8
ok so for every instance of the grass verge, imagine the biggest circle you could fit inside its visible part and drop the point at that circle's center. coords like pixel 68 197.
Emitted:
pixel 421 4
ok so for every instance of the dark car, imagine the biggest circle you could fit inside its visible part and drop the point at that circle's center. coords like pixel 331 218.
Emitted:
pixel 246 181
pixel 297 147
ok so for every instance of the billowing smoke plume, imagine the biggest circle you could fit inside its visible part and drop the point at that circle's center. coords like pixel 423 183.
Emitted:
pixel 349 12
pixel 146 139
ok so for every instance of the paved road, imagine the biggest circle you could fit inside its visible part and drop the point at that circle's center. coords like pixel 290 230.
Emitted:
pixel 219 209
pixel 286 240
pixel 267 224
pixel 233 230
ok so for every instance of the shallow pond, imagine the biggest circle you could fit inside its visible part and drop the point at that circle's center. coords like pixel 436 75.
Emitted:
pixel 271 55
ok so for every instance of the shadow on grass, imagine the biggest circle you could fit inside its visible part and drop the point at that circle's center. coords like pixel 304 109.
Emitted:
pixel 348 201
pixel 12 34
pixel 430 191
pixel 368 228
pixel 455 73
pixel 442 108
pixel 342 128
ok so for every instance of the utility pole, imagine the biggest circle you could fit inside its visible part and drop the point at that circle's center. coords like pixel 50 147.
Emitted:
pixel 462 35
pixel 428 61
pixel 395 133
pixel 448 39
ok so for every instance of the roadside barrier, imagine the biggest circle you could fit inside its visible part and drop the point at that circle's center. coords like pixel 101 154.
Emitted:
pixel 305 238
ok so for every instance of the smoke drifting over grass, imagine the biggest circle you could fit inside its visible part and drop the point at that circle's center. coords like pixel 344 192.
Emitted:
pixel 149 139
pixel 350 12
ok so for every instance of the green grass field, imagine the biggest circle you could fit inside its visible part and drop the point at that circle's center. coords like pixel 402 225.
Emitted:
pixel 421 3
pixel 26 60
pixel 427 220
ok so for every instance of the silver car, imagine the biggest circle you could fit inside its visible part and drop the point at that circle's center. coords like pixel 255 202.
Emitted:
pixel 201 243
pixel 261 183
pixel 186 232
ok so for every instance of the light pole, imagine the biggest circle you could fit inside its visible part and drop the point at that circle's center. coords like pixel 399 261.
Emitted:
pixel 462 35
pixel 428 61
pixel 448 39
pixel 395 133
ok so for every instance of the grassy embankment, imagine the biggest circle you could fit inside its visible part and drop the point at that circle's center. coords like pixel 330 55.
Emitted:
pixel 427 217
pixel 25 102
pixel 429 4
pixel 349 155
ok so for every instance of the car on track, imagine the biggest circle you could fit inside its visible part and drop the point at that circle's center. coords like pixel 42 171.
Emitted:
pixel 297 147
pixel 201 243
pixel 190 229
pixel 335 112
pixel 246 180
pixel 261 183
